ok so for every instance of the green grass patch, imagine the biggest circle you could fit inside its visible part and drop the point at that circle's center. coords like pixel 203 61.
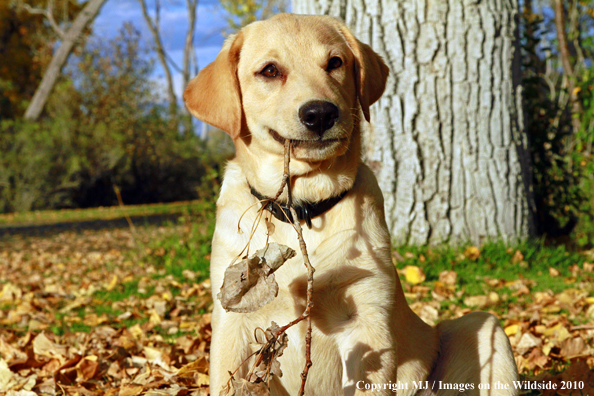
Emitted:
pixel 121 292
pixel 45 217
pixel 189 250
pixel 496 260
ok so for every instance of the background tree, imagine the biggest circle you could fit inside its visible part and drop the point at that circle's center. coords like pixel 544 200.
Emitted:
pixel 448 142
pixel 558 51
pixel 106 126
pixel 27 41
pixel 243 12
pixel 68 40
pixel 190 62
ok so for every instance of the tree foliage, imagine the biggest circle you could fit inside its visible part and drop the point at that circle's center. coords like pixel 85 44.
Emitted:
pixel 106 127
pixel 560 116
pixel 243 12
pixel 27 41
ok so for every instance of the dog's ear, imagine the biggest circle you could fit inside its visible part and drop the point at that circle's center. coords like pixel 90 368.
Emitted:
pixel 371 72
pixel 214 96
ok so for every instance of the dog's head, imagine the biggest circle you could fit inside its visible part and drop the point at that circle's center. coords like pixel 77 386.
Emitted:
pixel 293 77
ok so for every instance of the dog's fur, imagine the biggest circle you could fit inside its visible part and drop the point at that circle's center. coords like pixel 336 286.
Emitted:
pixel 363 330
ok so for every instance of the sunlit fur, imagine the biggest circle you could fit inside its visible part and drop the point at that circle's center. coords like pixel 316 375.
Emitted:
pixel 363 329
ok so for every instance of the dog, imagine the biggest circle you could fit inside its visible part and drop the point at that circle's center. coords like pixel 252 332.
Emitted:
pixel 309 80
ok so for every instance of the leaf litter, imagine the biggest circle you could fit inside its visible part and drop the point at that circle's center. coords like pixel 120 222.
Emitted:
pixel 60 335
pixel 82 314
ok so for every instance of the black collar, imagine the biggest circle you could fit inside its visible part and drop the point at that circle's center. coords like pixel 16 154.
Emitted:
pixel 305 211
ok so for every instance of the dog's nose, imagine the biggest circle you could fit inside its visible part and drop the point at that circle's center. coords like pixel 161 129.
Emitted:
pixel 318 116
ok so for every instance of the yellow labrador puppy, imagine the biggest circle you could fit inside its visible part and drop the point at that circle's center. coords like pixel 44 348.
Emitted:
pixel 307 79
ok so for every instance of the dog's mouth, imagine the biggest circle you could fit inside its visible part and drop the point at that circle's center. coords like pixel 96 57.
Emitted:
pixel 308 144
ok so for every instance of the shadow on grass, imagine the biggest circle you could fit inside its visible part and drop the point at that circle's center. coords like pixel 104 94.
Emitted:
pixel 56 228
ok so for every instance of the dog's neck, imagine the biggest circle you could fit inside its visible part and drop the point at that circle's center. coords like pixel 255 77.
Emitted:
pixel 310 182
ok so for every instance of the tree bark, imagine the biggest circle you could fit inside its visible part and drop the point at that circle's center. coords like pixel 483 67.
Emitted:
pixel 86 16
pixel 565 55
pixel 447 139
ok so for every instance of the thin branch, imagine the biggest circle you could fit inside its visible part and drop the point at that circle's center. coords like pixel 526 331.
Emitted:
pixel 286 174
pixel 191 6
pixel 48 13
pixel 270 348
pixel 582 327
pixel 153 26
pixel 310 271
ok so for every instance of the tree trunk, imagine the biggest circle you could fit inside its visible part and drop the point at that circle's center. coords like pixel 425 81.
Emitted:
pixel 153 26
pixel 189 58
pixel 86 16
pixel 447 140
pixel 569 72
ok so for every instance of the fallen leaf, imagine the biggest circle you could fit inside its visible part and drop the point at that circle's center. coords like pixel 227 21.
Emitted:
pixel 517 257
pixel 5 374
pixel 10 292
pixel 413 274
pixel 429 314
pixel 131 390
pixel 87 369
pixel 553 272
pixel 472 253
pixel 527 342
pixel 45 347
pixel 112 284
pixel 494 297
pixel 572 347
pixel 197 366
pixel 537 358
pixel 448 277
pixel 511 329
pixel 480 301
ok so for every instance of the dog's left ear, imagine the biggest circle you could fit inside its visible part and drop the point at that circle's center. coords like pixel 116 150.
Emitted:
pixel 214 95
pixel 371 72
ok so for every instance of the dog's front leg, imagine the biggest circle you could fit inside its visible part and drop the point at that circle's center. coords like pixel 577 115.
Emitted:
pixel 228 349
pixel 368 352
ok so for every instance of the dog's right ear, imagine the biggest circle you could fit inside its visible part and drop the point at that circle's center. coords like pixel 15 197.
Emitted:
pixel 214 96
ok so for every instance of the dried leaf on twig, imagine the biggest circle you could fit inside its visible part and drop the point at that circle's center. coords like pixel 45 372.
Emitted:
pixel 270 350
pixel 250 284
pixel 242 387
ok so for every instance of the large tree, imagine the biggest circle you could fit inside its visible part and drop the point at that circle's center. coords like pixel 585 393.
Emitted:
pixel 447 141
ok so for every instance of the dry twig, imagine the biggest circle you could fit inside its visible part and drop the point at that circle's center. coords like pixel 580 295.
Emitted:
pixel 265 364
pixel 48 13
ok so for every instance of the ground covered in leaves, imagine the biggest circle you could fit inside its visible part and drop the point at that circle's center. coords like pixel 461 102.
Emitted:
pixel 105 312
pixel 127 311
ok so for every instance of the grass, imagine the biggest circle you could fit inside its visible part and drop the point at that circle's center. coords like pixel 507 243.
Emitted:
pixel 168 260
pixel 496 260
pixel 45 217
pixel 183 246
pixel 171 256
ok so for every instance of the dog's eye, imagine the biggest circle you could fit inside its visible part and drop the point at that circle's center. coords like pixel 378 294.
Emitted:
pixel 334 63
pixel 270 71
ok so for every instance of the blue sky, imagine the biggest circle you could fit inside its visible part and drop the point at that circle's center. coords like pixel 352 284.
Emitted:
pixel 210 22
